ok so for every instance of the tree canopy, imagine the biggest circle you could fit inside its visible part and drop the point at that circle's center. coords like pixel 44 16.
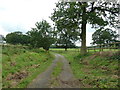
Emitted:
pixel 104 36
pixel 42 35
pixel 75 16
pixel 17 38
pixel 68 30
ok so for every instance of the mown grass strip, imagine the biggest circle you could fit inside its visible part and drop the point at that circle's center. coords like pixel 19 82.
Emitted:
pixel 57 70
pixel 55 74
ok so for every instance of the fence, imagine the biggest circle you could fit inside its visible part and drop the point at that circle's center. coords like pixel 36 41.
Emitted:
pixel 102 47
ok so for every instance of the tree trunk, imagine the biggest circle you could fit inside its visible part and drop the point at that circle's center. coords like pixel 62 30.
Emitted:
pixel 83 38
pixel 66 41
pixel 66 47
pixel 83 33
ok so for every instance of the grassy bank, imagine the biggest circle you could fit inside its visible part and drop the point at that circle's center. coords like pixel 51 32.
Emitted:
pixel 94 71
pixel 21 66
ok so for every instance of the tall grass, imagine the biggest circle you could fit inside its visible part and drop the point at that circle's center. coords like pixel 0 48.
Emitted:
pixel 93 71
pixel 21 66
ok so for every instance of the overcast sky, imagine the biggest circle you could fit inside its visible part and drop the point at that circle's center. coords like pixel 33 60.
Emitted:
pixel 21 15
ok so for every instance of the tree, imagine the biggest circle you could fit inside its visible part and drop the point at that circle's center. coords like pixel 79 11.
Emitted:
pixel 17 38
pixel 42 35
pixel 14 38
pixel 25 39
pixel 66 38
pixel 99 14
pixel 64 43
pixel 104 36
pixel 67 29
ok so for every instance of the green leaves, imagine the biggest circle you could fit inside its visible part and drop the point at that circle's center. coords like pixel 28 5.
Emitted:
pixel 75 16
pixel 66 24
pixel 103 36
pixel 42 35
pixel 17 38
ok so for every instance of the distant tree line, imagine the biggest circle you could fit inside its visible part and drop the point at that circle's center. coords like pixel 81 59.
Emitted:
pixel 43 35
pixel 104 36
pixel 17 38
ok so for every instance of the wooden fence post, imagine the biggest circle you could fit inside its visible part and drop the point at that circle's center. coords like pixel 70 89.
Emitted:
pixel 94 48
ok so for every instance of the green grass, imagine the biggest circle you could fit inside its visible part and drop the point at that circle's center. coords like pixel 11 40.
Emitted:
pixel 21 66
pixel 57 70
pixel 99 72
pixel 60 50
pixel 55 74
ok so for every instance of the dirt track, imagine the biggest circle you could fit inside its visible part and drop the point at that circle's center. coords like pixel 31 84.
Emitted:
pixel 65 79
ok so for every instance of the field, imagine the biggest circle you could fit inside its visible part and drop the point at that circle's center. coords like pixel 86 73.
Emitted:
pixel 21 65
pixel 94 70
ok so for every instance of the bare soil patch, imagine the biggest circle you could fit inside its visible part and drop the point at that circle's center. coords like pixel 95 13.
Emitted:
pixel 17 76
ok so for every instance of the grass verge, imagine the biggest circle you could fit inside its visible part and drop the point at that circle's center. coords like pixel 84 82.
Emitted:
pixel 21 66
pixel 94 71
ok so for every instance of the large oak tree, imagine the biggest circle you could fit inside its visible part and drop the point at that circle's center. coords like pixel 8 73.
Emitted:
pixel 99 14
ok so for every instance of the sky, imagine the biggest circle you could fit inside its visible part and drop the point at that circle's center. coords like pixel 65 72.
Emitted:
pixel 21 15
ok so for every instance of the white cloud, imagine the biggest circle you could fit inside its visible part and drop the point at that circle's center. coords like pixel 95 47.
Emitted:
pixel 2 31
pixel 25 13
pixel 89 38
pixel 89 33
